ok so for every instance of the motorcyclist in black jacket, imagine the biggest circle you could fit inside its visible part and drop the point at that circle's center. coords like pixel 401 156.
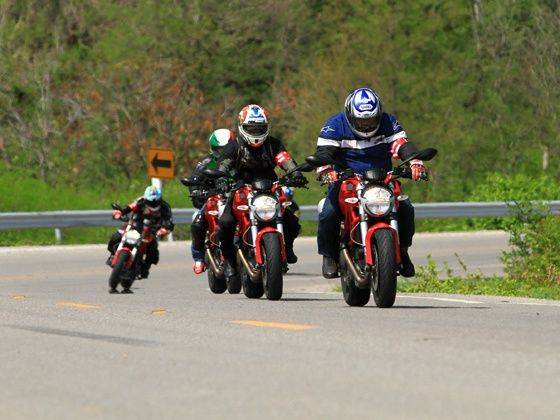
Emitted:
pixel 199 193
pixel 254 155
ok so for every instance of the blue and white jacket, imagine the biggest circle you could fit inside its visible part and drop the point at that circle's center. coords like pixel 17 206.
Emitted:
pixel 337 140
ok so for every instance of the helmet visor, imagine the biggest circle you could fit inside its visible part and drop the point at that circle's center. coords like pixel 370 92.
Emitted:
pixel 366 125
pixel 256 129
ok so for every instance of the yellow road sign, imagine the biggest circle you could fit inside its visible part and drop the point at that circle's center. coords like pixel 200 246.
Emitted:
pixel 161 163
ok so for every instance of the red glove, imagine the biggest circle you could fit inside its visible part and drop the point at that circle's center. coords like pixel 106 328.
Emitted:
pixel 418 169
pixel 162 232
pixel 328 175
pixel 117 214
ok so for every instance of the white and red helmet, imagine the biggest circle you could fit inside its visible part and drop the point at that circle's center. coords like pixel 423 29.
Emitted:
pixel 253 125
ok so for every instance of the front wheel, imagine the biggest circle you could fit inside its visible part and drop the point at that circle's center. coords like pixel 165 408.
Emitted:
pixel 217 284
pixel 384 281
pixel 353 295
pixel 272 270
pixel 115 277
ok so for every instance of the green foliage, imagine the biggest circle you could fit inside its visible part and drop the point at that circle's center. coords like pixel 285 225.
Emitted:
pixel 431 279
pixel 534 253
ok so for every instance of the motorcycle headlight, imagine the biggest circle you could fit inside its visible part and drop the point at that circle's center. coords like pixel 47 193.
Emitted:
pixel 377 201
pixel 265 207
pixel 131 237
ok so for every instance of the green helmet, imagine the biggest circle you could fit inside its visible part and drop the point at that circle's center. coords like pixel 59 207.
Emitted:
pixel 219 138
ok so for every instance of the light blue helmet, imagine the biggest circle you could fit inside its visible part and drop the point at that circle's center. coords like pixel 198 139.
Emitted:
pixel 289 192
pixel 363 112
pixel 152 195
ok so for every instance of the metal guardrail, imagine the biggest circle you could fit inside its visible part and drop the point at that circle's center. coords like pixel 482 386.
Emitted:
pixel 92 218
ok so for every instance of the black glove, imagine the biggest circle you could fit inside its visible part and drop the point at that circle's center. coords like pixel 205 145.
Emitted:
pixel 222 184
pixel 297 179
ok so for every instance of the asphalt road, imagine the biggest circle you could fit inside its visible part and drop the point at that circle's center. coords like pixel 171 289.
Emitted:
pixel 173 350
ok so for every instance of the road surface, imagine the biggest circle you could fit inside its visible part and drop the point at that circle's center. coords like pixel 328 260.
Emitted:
pixel 173 350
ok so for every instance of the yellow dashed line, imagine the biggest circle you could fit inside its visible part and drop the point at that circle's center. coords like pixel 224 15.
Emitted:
pixel 18 297
pixel 279 325
pixel 159 312
pixel 77 305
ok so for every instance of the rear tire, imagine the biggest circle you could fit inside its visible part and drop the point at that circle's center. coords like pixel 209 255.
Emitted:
pixel 115 277
pixel 234 285
pixel 384 281
pixel 272 270
pixel 353 295
pixel 216 284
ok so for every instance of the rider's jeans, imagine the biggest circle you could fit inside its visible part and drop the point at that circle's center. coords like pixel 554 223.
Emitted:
pixel 328 231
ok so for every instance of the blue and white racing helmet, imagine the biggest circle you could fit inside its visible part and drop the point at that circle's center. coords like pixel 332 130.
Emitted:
pixel 152 195
pixel 363 112
pixel 289 192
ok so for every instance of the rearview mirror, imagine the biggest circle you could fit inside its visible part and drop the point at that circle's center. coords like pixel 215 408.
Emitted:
pixel 317 161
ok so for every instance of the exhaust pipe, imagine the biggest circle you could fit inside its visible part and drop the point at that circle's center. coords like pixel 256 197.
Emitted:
pixel 255 275
pixel 350 264
pixel 215 268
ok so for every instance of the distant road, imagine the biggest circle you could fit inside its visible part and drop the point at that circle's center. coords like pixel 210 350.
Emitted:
pixel 173 350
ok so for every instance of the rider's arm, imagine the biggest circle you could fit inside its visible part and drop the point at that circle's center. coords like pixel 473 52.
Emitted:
pixel 329 144
pixel 166 216
pixel 281 156
pixel 131 208
pixel 403 149
pixel 226 162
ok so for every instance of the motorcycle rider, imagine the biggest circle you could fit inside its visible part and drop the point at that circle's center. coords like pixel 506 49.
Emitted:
pixel 150 207
pixel 199 226
pixel 254 155
pixel 362 137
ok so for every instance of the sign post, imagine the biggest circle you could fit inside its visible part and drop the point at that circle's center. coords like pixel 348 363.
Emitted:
pixel 161 165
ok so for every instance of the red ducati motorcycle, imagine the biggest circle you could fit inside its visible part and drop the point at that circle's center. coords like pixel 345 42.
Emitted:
pixel 370 250
pixel 127 261
pixel 213 209
pixel 261 253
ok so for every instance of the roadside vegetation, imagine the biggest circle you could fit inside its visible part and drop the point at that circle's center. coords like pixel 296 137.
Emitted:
pixel 532 263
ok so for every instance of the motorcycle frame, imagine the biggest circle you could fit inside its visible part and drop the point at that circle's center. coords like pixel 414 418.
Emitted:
pixel 355 215
pixel 247 221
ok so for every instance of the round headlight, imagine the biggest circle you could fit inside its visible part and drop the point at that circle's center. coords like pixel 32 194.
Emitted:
pixel 377 201
pixel 131 237
pixel 265 207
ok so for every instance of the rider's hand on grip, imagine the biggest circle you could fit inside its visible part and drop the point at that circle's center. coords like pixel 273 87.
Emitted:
pixel 162 232
pixel 117 214
pixel 418 170
pixel 222 183
pixel 298 180
pixel 328 176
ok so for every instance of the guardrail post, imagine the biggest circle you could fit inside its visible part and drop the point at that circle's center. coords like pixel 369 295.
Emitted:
pixel 57 235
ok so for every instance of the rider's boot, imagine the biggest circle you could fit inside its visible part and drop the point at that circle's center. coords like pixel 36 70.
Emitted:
pixel 109 261
pixel 113 290
pixel 199 267
pixel 126 291
pixel 330 268
pixel 144 271
pixel 407 267
pixel 291 257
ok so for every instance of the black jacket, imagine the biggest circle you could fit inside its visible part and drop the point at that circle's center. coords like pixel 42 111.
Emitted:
pixel 251 163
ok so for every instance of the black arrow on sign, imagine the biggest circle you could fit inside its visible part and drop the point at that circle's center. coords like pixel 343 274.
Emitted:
pixel 160 163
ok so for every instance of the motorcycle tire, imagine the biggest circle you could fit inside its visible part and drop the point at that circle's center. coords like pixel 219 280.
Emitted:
pixel 216 284
pixel 272 271
pixel 251 289
pixel 234 285
pixel 384 282
pixel 353 295
pixel 115 277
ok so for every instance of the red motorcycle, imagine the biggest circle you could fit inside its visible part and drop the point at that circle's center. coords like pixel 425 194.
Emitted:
pixel 212 210
pixel 129 255
pixel 261 253
pixel 370 251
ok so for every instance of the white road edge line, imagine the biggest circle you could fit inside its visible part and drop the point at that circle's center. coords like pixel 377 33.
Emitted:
pixel 473 302
pixel 531 304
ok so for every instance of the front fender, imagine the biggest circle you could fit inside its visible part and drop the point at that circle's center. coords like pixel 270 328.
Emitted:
pixel 371 231
pixel 258 248
pixel 119 252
